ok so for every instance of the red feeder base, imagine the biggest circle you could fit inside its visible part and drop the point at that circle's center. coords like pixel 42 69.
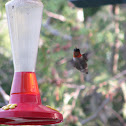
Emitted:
pixel 29 110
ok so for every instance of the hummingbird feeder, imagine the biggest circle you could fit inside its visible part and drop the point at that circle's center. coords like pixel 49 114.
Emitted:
pixel 25 108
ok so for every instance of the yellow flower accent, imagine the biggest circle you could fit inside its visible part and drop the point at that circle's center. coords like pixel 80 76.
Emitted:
pixel 52 108
pixel 9 106
pixel 5 107
pixel 15 105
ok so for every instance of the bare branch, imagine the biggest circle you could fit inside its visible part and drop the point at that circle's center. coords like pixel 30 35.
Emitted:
pixel 116 114
pixel 5 96
pixel 106 101
pixel 74 86
pixel 56 16
pixel 56 32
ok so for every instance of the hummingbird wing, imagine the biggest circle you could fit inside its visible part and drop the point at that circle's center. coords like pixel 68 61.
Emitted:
pixel 85 56
pixel 76 64
pixel 80 64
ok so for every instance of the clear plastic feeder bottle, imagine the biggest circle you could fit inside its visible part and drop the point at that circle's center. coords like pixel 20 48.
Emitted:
pixel 24 21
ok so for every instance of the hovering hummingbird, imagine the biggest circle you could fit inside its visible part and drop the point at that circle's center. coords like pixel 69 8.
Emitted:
pixel 79 61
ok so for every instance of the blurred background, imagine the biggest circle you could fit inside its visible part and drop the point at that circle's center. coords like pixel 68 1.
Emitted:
pixel 96 99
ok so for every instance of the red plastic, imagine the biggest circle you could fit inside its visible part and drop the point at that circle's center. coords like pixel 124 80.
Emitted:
pixel 29 110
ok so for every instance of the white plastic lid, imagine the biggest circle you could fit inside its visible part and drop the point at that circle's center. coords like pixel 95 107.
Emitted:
pixel 24 22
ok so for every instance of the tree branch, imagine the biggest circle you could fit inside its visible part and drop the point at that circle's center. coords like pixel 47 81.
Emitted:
pixel 56 32
pixel 74 86
pixel 5 96
pixel 116 114
pixel 106 101
pixel 56 16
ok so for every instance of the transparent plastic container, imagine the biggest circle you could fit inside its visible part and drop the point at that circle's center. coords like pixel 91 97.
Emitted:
pixel 24 22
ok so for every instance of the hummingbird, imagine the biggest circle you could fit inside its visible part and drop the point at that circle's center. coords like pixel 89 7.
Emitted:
pixel 79 61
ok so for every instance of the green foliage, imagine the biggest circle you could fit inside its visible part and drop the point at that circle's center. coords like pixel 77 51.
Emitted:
pixel 96 35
